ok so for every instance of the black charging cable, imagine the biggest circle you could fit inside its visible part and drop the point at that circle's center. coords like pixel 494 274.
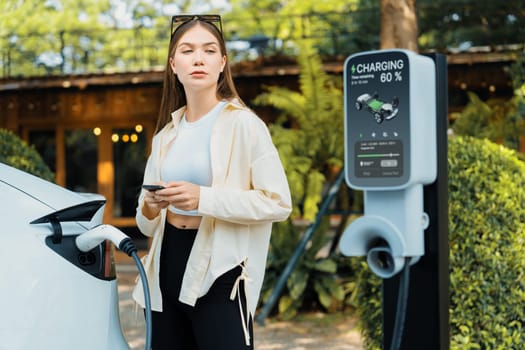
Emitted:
pixel 402 301
pixel 128 247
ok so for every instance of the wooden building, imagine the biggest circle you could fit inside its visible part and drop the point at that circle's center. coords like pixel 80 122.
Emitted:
pixel 94 131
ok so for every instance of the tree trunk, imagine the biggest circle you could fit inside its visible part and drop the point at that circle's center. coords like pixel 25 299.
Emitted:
pixel 398 24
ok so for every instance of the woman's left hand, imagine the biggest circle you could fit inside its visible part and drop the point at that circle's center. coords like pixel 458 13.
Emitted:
pixel 181 194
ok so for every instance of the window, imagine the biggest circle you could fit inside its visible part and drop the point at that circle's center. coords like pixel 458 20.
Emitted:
pixel 44 143
pixel 81 160
pixel 129 159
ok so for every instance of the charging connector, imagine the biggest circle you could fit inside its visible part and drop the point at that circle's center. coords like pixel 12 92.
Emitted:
pixel 93 237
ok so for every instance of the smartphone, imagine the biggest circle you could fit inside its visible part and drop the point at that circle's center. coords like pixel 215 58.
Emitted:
pixel 152 188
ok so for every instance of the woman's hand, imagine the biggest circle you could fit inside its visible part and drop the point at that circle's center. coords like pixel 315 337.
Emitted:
pixel 153 204
pixel 181 194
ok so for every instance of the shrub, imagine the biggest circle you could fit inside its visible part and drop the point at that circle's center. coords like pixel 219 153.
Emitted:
pixel 16 153
pixel 487 235
pixel 487 259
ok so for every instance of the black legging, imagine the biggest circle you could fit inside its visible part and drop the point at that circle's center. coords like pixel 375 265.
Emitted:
pixel 215 321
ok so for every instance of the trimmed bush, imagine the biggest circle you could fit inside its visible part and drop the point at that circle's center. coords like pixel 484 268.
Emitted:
pixel 487 238
pixel 487 255
pixel 16 153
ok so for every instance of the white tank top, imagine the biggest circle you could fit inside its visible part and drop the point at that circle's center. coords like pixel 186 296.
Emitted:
pixel 188 158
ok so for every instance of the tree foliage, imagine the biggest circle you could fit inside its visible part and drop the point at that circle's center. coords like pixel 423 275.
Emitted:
pixel 334 27
pixel 461 24
pixel 70 36
pixel 78 36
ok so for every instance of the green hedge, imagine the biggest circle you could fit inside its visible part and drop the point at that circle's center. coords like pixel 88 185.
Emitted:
pixel 16 153
pixel 487 254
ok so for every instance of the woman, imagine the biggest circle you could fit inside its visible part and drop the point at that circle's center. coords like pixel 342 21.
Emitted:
pixel 224 185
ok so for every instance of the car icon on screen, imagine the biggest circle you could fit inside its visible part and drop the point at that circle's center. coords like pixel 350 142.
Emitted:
pixel 380 110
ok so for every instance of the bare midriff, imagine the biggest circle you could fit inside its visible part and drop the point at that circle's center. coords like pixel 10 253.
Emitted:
pixel 183 221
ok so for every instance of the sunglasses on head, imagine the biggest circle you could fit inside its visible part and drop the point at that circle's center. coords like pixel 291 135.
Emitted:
pixel 178 20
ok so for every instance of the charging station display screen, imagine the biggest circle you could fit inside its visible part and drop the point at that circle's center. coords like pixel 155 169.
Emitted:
pixel 377 121
pixel 378 158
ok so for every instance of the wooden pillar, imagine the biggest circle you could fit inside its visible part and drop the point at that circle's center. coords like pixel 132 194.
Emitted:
pixel 105 170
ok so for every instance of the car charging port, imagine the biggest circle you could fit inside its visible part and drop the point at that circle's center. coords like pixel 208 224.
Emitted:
pixel 87 259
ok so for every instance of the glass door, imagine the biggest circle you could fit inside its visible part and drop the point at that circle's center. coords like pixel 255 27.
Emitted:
pixel 81 158
pixel 129 159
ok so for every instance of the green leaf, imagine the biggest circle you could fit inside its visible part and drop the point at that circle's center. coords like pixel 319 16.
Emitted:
pixel 297 284
pixel 326 265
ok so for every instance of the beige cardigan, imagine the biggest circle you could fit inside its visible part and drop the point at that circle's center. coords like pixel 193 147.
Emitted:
pixel 249 191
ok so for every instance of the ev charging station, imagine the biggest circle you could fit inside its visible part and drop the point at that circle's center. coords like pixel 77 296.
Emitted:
pixel 396 152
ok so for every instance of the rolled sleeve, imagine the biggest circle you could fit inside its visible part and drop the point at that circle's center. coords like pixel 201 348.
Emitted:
pixel 145 225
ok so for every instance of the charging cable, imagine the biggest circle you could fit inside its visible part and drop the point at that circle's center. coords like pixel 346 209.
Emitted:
pixel 128 247
pixel 93 237
pixel 402 301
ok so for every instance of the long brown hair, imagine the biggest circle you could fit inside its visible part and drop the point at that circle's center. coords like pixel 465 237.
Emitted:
pixel 173 95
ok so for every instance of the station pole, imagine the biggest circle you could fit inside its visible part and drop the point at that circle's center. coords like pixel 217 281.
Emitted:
pixel 427 321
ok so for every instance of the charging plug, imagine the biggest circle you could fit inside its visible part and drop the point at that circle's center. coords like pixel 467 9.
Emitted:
pixel 91 238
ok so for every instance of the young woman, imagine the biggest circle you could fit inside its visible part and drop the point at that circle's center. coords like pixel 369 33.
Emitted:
pixel 224 185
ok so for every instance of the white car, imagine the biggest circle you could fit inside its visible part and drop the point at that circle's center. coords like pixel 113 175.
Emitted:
pixel 52 295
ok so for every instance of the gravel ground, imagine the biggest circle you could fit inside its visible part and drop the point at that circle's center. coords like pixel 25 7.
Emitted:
pixel 312 331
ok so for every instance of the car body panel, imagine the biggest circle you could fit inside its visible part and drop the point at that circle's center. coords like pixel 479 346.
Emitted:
pixel 46 301
pixel 51 194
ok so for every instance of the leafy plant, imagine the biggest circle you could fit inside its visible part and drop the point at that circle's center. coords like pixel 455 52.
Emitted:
pixel 496 119
pixel 365 297
pixel 16 153
pixel 311 149
pixel 314 145
pixel 487 260
pixel 313 283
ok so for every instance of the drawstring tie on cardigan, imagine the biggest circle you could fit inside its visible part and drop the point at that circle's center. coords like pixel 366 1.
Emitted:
pixel 236 293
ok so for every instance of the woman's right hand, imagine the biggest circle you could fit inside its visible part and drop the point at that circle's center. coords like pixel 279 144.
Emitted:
pixel 153 204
